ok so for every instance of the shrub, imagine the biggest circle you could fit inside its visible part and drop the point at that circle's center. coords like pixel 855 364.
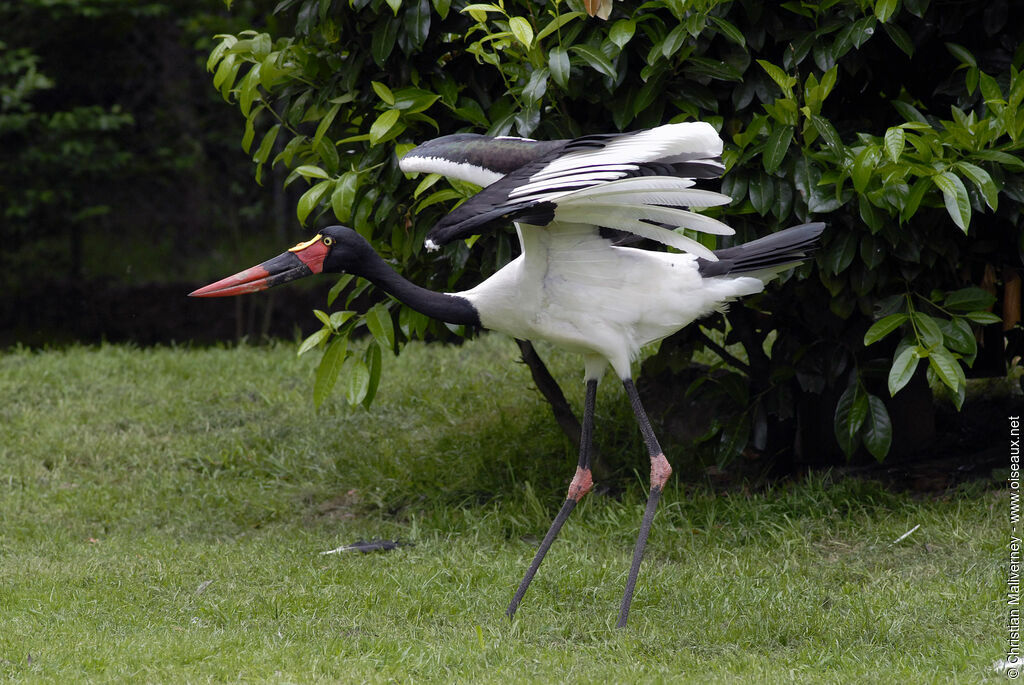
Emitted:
pixel 897 123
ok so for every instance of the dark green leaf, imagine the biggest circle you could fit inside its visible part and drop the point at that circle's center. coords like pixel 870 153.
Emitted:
pixel 983 318
pixel 983 180
pixel 777 146
pixel 877 428
pixel 558 63
pixel 884 327
pixel 311 198
pixel 596 59
pixel 946 368
pixel 358 380
pixel 373 363
pixel 442 7
pixel 344 195
pixel 417 22
pixel 313 340
pixel 384 127
pixel 761 191
pixel 728 30
pixel 849 417
pixel 781 78
pixel 557 23
pixel 841 251
pixel 378 320
pixel 328 369
pixel 954 194
pixel 338 286
pixel 1006 159
pixel 962 54
pixel 673 41
pixel 895 138
pixel 969 299
pixel 537 85
pixel 883 10
pixel 903 367
pixel 863 167
pixel 696 67
pixel 311 171
pixel 927 328
pixel 325 123
pixel 900 38
pixel 827 132
pixel 621 32
pixel 959 337
pixel 914 197
pixel 266 145
pixel 383 41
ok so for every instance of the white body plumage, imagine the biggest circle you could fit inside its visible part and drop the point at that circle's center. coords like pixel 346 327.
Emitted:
pixel 575 289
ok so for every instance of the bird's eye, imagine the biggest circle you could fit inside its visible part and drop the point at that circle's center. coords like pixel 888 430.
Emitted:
pixel 328 241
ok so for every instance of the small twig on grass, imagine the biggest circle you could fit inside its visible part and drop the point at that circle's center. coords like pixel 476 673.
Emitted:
pixel 905 535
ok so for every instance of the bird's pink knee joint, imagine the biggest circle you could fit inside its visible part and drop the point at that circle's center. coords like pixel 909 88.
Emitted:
pixel 660 471
pixel 580 485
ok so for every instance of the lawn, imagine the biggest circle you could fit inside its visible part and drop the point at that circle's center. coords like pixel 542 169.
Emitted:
pixel 162 514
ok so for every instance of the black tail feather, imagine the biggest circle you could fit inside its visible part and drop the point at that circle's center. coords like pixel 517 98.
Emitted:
pixel 785 247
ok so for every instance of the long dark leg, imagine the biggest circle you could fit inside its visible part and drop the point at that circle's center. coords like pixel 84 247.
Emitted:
pixel 580 485
pixel 660 471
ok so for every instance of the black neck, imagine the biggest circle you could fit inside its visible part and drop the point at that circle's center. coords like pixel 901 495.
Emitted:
pixel 440 306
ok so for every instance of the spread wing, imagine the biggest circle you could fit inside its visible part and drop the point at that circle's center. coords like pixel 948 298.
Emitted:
pixel 636 182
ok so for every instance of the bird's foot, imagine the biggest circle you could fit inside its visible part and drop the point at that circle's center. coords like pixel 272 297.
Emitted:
pixel 581 484
pixel 660 471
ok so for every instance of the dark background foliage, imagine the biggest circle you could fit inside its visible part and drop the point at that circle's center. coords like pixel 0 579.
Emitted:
pixel 898 123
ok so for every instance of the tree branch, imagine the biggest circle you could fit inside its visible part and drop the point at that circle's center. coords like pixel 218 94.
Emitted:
pixel 722 352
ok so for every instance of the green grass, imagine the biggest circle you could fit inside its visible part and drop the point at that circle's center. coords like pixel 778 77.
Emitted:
pixel 162 513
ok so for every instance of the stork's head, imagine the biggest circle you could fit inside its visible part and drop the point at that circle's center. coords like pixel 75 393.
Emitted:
pixel 335 249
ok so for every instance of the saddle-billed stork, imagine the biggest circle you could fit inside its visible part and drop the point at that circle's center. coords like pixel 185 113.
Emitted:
pixel 572 285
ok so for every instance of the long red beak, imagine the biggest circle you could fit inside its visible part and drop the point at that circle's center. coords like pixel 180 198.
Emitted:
pixel 302 260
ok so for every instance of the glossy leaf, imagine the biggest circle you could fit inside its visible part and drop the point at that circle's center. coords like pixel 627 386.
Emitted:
pixel 358 380
pixel 983 180
pixel 558 63
pixel 902 369
pixel 558 23
pixel 884 9
pixel 622 32
pixel 983 318
pixel 384 126
pixel 311 198
pixel 945 366
pixel 884 327
pixel 781 78
pixel 328 369
pixel 955 197
pixel 311 171
pixel 863 168
pixel 969 299
pixel 372 358
pixel 522 30
pixel 728 30
pixel 378 320
pixel 596 59
pixel 777 146
pixel 383 92
pixel 851 411
pixel 536 85
pixel 895 139
pixel 343 196
pixel 313 340
pixel 877 428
